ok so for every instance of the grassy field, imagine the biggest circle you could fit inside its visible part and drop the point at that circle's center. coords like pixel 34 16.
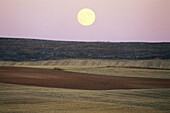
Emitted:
pixel 128 68
pixel 126 72
pixel 29 99
pixel 160 64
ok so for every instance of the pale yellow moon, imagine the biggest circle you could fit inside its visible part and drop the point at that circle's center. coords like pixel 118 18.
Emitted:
pixel 86 17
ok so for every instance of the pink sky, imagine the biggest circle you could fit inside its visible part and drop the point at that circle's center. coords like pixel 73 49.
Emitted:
pixel 116 20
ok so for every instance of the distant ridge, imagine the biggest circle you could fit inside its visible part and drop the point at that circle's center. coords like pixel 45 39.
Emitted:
pixel 97 41
pixel 17 49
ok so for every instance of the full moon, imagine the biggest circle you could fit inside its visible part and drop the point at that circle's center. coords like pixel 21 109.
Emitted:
pixel 86 17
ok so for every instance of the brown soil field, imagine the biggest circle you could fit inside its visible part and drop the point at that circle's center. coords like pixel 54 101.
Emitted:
pixel 69 80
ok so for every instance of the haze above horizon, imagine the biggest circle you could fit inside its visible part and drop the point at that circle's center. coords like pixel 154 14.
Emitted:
pixel 116 20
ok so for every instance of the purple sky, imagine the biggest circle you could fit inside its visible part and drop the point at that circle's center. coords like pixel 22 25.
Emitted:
pixel 116 20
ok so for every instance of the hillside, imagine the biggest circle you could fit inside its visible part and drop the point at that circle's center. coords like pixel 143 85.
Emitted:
pixel 32 50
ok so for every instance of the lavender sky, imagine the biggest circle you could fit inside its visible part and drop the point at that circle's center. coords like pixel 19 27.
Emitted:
pixel 116 20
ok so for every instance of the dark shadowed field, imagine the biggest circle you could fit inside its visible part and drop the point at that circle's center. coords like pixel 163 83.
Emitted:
pixel 13 49
pixel 69 80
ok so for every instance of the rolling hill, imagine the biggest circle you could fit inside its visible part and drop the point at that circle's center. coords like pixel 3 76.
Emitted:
pixel 13 49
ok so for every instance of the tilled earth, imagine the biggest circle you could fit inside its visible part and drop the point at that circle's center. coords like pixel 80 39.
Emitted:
pixel 62 79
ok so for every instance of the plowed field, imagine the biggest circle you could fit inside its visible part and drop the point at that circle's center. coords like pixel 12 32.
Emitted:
pixel 61 79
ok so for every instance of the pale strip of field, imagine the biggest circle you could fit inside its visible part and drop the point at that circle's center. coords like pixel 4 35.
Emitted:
pixel 26 99
pixel 162 64
pixel 126 72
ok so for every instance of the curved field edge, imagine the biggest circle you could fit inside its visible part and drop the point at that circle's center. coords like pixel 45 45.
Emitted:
pixel 124 72
pixel 19 98
pixel 60 79
pixel 126 68
pixel 153 64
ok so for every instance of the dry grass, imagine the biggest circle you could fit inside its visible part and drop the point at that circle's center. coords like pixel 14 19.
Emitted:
pixel 126 72
pixel 162 64
pixel 100 67
pixel 27 99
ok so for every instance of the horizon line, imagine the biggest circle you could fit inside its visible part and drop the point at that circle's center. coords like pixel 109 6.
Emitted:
pixel 65 40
